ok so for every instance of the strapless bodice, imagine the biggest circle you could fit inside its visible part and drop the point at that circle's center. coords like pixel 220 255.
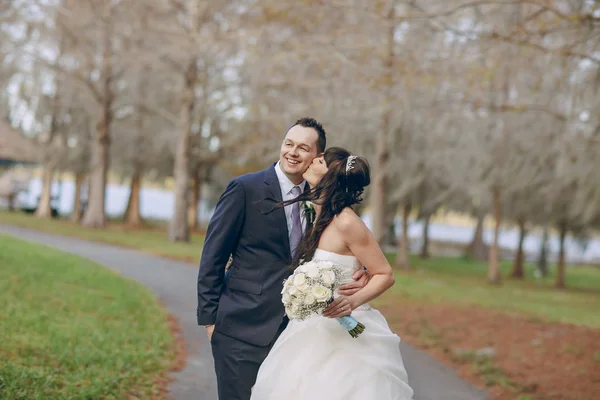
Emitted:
pixel 348 264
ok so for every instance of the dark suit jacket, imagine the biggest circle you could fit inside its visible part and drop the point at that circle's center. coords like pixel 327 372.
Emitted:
pixel 247 304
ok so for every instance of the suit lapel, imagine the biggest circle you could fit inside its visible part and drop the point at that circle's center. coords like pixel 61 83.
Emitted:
pixel 273 193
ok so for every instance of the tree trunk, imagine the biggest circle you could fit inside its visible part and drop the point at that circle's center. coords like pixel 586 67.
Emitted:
pixel 543 258
pixel 425 247
pixel 133 215
pixel 494 262
pixel 477 249
pixel 196 195
pixel 179 230
pixel 402 259
pixel 11 201
pixel 76 215
pixel 44 208
pixel 391 210
pixel 379 191
pixel 95 216
pixel 518 271
pixel 560 268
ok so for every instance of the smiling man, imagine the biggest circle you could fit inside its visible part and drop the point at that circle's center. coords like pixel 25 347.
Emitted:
pixel 243 313
pixel 303 142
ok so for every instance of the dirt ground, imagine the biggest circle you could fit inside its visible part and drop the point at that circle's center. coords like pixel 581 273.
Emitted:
pixel 511 356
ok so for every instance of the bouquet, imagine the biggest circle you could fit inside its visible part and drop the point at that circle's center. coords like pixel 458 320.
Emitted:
pixel 309 290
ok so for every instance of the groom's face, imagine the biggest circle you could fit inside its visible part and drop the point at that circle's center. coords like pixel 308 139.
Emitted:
pixel 298 150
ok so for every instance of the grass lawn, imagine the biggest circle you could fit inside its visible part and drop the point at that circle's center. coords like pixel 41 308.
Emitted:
pixel 151 240
pixel 70 329
pixel 461 281
pixel 435 280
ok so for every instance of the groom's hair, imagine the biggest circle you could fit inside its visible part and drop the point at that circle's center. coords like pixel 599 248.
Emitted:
pixel 308 122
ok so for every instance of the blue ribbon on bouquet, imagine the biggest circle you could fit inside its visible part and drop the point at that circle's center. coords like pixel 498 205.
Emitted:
pixel 351 324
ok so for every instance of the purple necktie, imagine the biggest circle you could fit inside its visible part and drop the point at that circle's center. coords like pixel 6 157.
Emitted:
pixel 296 233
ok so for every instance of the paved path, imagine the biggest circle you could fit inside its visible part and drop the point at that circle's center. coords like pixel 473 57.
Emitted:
pixel 175 285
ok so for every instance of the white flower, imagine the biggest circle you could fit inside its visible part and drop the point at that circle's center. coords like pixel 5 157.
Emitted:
pixel 286 285
pixel 293 290
pixel 290 313
pixel 304 288
pixel 312 271
pixel 328 277
pixel 295 310
pixel 309 300
pixel 299 279
pixel 321 293
pixel 286 298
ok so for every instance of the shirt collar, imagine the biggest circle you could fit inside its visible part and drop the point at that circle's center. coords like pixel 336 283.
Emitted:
pixel 285 183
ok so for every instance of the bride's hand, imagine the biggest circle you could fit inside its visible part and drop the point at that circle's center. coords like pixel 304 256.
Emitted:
pixel 360 280
pixel 340 307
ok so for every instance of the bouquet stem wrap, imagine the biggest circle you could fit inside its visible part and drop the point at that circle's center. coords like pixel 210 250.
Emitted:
pixel 350 324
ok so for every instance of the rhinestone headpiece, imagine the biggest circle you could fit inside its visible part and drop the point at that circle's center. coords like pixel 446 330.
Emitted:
pixel 350 163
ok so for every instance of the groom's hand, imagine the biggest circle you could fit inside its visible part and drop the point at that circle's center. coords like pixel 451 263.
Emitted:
pixel 209 331
pixel 361 278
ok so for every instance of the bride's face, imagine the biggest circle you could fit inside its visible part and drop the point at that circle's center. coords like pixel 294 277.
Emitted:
pixel 316 170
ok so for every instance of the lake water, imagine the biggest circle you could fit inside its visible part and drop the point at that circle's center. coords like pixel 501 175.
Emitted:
pixel 158 204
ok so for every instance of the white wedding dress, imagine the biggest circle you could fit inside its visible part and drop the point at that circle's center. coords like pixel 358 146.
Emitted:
pixel 316 359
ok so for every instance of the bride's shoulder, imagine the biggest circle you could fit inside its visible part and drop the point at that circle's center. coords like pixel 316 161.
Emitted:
pixel 348 221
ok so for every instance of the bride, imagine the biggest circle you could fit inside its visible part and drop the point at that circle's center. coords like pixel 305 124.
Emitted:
pixel 316 358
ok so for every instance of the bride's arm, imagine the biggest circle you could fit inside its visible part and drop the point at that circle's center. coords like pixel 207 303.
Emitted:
pixel 363 245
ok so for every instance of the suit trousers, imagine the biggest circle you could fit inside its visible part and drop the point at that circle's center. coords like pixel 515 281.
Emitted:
pixel 237 364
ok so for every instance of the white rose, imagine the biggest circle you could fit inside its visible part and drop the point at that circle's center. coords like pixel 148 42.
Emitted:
pixel 296 309
pixel 312 271
pixel 286 298
pixel 300 268
pixel 286 285
pixel 299 279
pixel 328 277
pixel 304 288
pixel 293 290
pixel 321 293
pixel 290 313
pixel 309 300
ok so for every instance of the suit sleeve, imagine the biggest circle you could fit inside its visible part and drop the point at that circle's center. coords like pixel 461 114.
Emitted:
pixel 221 238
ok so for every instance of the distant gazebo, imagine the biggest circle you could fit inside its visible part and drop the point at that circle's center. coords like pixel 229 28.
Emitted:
pixel 15 148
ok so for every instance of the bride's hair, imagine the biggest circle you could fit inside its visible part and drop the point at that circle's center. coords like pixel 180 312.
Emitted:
pixel 339 188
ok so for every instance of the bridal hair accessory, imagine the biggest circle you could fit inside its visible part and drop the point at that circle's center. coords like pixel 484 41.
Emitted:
pixel 350 163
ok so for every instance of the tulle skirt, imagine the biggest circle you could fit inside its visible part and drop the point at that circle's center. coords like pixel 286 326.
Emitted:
pixel 317 359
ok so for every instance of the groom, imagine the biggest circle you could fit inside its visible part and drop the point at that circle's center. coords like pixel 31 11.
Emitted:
pixel 242 312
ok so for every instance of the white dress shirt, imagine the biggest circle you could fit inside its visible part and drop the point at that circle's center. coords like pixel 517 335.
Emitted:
pixel 286 188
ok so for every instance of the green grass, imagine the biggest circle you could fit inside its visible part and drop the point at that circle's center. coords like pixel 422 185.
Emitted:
pixel 485 368
pixel 461 281
pixel 435 280
pixel 70 329
pixel 152 241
